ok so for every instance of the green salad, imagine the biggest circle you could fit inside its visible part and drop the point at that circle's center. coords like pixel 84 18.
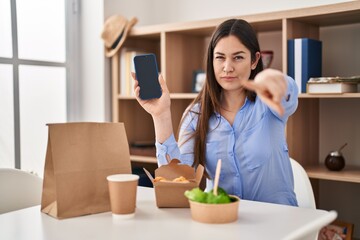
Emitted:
pixel 198 195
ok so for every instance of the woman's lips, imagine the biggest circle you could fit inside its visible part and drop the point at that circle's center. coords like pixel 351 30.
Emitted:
pixel 228 78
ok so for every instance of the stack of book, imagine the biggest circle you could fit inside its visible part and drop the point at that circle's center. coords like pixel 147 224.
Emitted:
pixel 304 60
pixel 126 67
pixel 333 85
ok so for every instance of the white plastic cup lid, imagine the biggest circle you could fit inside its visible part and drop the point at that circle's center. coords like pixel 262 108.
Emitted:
pixel 122 177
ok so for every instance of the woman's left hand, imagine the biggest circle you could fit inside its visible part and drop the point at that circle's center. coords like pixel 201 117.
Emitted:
pixel 270 85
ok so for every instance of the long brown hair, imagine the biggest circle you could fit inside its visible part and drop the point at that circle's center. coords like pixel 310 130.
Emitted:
pixel 209 96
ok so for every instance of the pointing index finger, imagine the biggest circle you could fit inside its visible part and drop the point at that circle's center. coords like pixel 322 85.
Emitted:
pixel 266 96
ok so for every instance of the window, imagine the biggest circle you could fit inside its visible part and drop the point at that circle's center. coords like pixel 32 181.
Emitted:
pixel 7 147
pixel 34 77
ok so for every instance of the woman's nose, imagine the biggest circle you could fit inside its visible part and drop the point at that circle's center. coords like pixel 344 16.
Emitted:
pixel 228 66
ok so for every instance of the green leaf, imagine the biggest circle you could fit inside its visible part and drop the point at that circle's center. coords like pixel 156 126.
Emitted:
pixel 196 195
pixel 222 197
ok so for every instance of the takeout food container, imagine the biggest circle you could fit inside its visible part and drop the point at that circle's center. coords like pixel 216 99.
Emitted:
pixel 171 194
pixel 215 213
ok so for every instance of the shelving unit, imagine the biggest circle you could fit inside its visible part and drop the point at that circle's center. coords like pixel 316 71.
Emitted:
pixel 313 168
pixel 180 50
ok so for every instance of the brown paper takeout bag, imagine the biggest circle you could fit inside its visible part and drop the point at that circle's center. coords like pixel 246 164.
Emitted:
pixel 79 157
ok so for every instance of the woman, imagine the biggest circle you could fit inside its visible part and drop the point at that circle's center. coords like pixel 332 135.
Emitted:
pixel 239 116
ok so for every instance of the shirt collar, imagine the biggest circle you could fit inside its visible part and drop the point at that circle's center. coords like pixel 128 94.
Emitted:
pixel 218 115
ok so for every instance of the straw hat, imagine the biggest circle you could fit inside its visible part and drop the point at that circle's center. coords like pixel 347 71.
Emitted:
pixel 116 29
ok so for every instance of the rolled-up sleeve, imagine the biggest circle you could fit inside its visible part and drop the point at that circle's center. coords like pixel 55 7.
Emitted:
pixel 182 150
pixel 169 147
pixel 291 98
pixel 290 101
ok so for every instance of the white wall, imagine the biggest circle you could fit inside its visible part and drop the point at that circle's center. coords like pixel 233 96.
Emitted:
pixel 164 11
pixel 94 98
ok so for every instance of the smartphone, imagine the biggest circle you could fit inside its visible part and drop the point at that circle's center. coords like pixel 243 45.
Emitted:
pixel 147 74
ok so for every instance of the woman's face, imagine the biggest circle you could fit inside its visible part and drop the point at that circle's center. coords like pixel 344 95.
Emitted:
pixel 232 63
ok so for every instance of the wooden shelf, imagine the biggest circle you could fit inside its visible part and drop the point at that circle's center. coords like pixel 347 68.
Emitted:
pixel 183 95
pixel 348 174
pixel 142 159
pixel 302 95
pixel 122 97
pixel 344 95
pixel 172 96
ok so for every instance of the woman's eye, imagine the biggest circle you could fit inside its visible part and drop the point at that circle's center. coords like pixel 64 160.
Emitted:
pixel 238 57
pixel 219 57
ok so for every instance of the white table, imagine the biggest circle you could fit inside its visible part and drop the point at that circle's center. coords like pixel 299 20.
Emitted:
pixel 256 221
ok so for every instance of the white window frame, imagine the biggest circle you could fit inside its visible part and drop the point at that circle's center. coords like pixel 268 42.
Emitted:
pixel 71 64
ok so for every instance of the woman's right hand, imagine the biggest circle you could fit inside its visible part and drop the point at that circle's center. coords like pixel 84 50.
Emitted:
pixel 155 107
pixel 270 85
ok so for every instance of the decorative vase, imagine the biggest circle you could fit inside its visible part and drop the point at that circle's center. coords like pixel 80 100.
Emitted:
pixel 267 57
pixel 335 161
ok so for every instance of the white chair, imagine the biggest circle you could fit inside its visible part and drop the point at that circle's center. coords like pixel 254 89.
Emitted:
pixel 305 198
pixel 18 189
pixel 302 186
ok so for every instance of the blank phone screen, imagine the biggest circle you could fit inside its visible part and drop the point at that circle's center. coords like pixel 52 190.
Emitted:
pixel 147 76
